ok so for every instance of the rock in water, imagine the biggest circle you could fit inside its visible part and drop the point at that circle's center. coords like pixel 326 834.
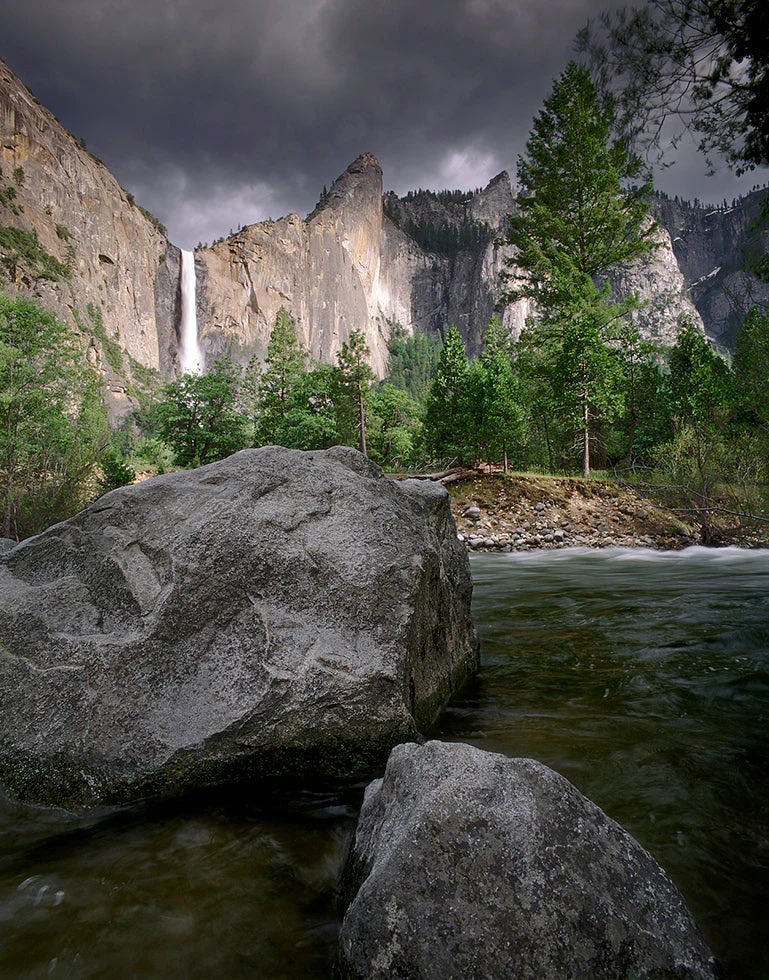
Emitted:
pixel 279 613
pixel 467 864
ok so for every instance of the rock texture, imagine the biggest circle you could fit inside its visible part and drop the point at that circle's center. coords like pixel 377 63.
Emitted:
pixel 714 247
pixel 112 254
pixel 470 864
pixel 278 614
pixel 658 280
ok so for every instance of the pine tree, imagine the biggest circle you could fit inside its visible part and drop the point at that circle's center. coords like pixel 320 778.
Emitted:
pixel 284 365
pixel 577 220
pixel 446 415
pixel 751 368
pixel 501 425
pixel 354 377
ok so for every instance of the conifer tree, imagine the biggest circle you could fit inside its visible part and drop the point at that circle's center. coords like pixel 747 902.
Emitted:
pixel 578 219
pixel 446 414
pixel 284 365
pixel 354 377
pixel 501 425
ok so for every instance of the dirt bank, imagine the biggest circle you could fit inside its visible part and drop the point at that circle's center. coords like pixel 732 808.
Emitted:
pixel 521 513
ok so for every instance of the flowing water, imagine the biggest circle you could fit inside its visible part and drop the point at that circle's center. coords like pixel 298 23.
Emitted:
pixel 190 355
pixel 642 677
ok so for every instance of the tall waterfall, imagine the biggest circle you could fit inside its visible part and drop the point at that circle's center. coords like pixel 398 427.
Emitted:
pixel 190 355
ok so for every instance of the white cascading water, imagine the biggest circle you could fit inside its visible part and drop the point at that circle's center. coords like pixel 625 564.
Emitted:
pixel 190 355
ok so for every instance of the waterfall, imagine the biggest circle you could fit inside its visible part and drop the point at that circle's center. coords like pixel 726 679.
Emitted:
pixel 190 355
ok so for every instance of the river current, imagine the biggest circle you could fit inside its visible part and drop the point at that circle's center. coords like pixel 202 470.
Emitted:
pixel 643 677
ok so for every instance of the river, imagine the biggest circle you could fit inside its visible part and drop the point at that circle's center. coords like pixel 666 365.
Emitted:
pixel 642 676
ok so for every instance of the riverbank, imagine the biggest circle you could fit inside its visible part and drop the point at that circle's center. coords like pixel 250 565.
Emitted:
pixel 525 513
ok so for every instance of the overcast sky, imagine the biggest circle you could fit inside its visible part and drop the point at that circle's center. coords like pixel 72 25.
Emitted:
pixel 217 114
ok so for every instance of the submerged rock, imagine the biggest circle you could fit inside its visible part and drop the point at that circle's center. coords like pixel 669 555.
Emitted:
pixel 279 613
pixel 469 864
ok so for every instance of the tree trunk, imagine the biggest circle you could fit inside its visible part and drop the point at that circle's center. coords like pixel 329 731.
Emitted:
pixel 585 439
pixel 507 468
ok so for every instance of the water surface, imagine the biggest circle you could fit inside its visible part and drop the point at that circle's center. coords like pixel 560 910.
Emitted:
pixel 642 677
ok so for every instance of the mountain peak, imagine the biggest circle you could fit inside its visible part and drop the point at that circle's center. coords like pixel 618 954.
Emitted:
pixel 361 182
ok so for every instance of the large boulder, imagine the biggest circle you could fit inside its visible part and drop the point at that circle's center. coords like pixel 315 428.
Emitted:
pixel 469 864
pixel 277 614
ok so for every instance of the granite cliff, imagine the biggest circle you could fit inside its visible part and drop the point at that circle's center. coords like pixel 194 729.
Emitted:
pixel 72 237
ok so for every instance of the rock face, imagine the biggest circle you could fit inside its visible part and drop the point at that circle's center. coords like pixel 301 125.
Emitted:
pixel 658 281
pixel 107 253
pixel 714 248
pixel 278 614
pixel 358 261
pixel 470 864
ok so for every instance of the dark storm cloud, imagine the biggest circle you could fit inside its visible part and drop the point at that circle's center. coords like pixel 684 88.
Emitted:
pixel 216 114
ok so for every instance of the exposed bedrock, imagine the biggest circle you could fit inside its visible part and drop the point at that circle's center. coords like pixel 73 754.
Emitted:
pixel 277 614
pixel 469 864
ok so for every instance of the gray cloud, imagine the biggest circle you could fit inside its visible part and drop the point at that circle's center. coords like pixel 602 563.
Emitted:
pixel 218 114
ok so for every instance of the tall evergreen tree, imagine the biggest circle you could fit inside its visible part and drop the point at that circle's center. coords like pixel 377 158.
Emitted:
pixel 354 377
pixel 577 219
pixel 446 412
pixel 751 368
pixel 284 365
pixel 502 419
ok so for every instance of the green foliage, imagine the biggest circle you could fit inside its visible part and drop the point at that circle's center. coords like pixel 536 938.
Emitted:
pixel 146 377
pixel 646 420
pixel 116 471
pixel 311 419
pixel 53 425
pixel 113 352
pixel 443 236
pixel 23 248
pixel 62 232
pixel 500 426
pixel 198 415
pixel 412 362
pixel 446 434
pixel 577 220
pixel 394 426
pixel 18 176
pixel 352 383
pixel 751 369
pixel 700 385
pixel 8 197
pixel 284 365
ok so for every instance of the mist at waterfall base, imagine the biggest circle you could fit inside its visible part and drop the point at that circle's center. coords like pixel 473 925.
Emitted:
pixel 641 676
pixel 190 355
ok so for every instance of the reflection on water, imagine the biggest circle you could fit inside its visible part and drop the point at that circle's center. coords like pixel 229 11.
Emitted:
pixel 643 677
